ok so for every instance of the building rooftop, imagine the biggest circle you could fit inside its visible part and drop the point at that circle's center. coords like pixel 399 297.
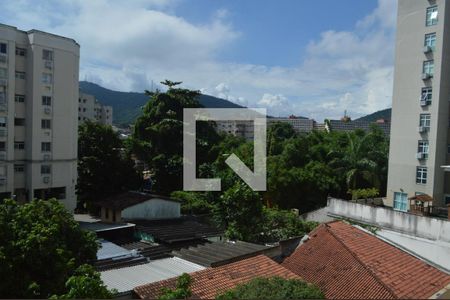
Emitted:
pixel 128 199
pixel 88 222
pixel 347 262
pixel 219 253
pixel 339 125
pixel 208 283
pixel 127 278
pixel 177 229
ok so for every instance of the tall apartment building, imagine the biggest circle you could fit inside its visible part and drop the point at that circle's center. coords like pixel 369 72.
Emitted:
pixel 90 109
pixel 420 112
pixel 38 115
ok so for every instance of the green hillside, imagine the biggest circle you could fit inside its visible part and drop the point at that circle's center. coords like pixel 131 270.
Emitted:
pixel 127 105
pixel 381 114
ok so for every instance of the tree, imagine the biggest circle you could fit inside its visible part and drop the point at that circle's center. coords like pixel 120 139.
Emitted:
pixel 41 247
pixel 104 166
pixel 181 291
pixel 273 288
pixel 158 136
pixel 239 210
pixel 86 283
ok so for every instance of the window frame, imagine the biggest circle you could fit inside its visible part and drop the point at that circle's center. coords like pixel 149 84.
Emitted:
pixel 5 47
pixel 19 145
pixel 47 100
pixel 423 146
pixel 430 40
pixel 20 75
pixel 18 97
pixel 428 67
pixel 19 168
pixel 428 20
pixel 47 78
pixel 44 148
pixel 424 119
pixel 48 57
pixel 19 121
pixel 46 168
pixel 421 175
pixel 21 51
pixel 45 122
pixel 426 94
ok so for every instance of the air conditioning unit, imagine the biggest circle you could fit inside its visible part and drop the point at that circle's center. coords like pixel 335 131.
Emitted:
pixel 426 76
pixel 47 110
pixel 46 179
pixel 423 103
pixel 421 129
pixel 3 82
pixel 48 64
pixel 46 157
pixel 2 155
pixel 3 59
pixel 420 155
pixel 427 49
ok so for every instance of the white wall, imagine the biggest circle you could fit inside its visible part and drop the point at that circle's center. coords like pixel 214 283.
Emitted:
pixel 425 227
pixel 153 209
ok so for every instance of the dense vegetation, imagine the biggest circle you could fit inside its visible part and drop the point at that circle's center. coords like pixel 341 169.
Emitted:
pixel 273 288
pixel 104 164
pixel 43 253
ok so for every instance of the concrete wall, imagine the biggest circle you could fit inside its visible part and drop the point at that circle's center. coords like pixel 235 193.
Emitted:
pixel 425 227
pixel 153 209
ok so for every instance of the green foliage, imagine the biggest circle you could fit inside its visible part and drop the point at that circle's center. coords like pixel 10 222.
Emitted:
pixel 273 288
pixel 364 193
pixel 181 291
pixel 280 225
pixel 41 247
pixel 158 136
pixel 239 210
pixel 193 203
pixel 86 283
pixel 104 166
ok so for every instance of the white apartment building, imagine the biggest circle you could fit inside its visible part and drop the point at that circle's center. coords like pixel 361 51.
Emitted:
pixel 90 109
pixel 420 143
pixel 38 115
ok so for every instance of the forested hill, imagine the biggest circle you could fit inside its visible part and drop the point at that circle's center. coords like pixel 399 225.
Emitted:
pixel 127 105
pixel 381 114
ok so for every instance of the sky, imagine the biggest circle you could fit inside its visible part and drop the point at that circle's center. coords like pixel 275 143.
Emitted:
pixel 309 58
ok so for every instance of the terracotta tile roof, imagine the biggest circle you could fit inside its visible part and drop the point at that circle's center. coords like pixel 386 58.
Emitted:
pixel 346 262
pixel 206 284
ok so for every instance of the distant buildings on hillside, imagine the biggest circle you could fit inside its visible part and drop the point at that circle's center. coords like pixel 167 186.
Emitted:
pixel 303 125
pixel 90 109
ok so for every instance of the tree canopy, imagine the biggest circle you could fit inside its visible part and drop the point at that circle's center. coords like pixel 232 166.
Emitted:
pixel 273 288
pixel 104 164
pixel 41 248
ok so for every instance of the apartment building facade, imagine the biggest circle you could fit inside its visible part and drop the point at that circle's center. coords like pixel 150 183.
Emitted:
pixel 38 115
pixel 90 109
pixel 420 143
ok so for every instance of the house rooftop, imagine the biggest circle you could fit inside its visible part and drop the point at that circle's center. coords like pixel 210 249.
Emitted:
pixel 124 200
pixel 177 229
pixel 127 278
pixel 347 262
pixel 208 283
pixel 219 253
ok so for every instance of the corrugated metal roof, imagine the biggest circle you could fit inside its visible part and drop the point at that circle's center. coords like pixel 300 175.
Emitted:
pixel 111 250
pixel 125 279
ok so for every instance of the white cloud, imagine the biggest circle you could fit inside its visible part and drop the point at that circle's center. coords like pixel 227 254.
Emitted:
pixel 127 44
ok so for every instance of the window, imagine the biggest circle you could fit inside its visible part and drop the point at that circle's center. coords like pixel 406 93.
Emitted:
pixel 428 67
pixel 21 51
pixel 2 146
pixel 427 94
pixel 2 121
pixel 447 199
pixel 79 108
pixel 19 168
pixel 3 73
pixel 19 145
pixel 20 75
pixel 432 16
pixel 84 109
pixel 421 175
pixel 19 122
pixel 2 170
pixel 46 147
pixel 424 148
pixel 47 78
pixel 425 120
pixel 84 100
pixel 2 97
pixel 47 54
pixel 430 40
pixel 19 98
pixel 46 100
pixel 401 201
pixel 46 169
pixel 3 48
pixel 46 124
